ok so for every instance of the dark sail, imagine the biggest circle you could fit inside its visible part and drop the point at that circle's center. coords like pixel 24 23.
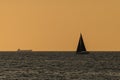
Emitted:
pixel 81 46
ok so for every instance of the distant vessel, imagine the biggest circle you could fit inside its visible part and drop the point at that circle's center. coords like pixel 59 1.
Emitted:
pixel 23 51
pixel 81 49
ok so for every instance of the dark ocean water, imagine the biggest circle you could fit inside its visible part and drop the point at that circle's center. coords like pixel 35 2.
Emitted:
pixel 59 66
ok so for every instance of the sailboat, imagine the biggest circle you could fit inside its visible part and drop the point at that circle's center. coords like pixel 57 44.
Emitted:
pixel 81 49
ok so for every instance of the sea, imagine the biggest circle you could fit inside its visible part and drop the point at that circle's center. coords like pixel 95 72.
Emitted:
pixel 58 65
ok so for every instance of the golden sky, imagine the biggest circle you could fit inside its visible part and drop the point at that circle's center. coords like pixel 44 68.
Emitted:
pixel 56 24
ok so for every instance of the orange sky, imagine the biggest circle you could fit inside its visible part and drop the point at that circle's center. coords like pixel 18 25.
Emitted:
pixel 56 24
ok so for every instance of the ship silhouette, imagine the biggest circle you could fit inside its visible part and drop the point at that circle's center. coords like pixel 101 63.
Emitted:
pixel 81 49
pixel 24 51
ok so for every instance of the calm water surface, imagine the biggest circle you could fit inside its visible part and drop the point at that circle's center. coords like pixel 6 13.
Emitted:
pixel 59 66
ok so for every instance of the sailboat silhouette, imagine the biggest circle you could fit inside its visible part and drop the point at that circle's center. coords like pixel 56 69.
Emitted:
pixel 81 49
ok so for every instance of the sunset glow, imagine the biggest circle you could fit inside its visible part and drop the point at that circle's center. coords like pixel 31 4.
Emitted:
pixel 55 25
